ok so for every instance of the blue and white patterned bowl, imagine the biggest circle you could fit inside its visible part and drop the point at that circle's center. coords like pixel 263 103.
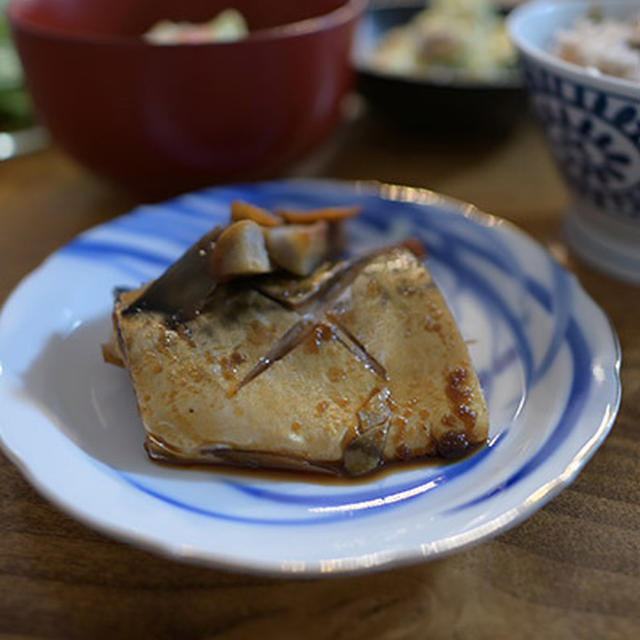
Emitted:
pixel 592 123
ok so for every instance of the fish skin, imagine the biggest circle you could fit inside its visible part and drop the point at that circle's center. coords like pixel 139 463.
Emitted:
pixel 396 310
pixel 305 406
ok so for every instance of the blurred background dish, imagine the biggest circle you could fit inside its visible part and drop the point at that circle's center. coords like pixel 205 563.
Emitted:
pixel 447 68
pixel 226 26
pixel 18 131
pixel 592 124
pixel 15 106
pixel 162 119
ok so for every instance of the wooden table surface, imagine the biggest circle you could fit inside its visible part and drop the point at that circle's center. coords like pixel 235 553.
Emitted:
pixel 572 570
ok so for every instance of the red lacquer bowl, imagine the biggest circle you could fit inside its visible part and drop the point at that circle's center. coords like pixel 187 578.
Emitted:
pixel 161 119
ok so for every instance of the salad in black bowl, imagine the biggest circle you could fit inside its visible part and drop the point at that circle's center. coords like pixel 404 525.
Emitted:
pixel 446 66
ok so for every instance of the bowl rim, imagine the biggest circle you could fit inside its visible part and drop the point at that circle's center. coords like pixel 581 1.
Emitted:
pixel 347 11
pixel 519 16
pixel 511 84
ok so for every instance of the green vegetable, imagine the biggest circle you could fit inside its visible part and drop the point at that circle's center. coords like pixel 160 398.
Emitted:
pixel 15 105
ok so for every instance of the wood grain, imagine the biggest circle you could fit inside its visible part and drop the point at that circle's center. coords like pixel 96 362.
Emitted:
pixel 570 571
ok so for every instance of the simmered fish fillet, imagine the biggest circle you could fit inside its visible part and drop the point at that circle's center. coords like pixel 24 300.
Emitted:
pixel 357 365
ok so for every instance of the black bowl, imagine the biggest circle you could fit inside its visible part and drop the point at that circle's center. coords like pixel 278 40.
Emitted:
pixel 446 107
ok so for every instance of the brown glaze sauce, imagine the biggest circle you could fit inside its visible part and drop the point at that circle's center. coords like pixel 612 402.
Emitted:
pixel 336 374
pixel 228 370
pixel 331 474
pixel 459 394
pixel 321 333
pixel 453 445
pixel 321 407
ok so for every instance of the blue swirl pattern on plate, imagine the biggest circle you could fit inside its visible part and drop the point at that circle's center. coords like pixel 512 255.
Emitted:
pixel 467 258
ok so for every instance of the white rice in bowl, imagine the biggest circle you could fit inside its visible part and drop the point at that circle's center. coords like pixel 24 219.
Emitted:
pixel 606 46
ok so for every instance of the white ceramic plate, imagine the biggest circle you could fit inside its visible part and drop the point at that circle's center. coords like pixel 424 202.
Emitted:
pixel 547 358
